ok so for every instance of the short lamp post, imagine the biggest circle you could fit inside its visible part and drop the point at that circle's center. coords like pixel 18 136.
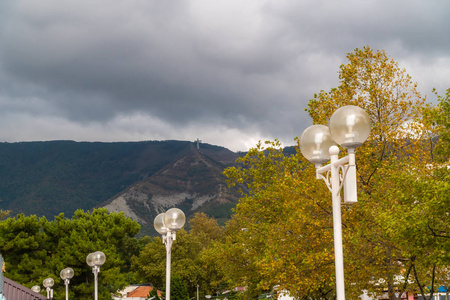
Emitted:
pixel 66 274
pixel 36 288
pixel 167 224
pixel 48 283
pixel 349 127
pixel 95 260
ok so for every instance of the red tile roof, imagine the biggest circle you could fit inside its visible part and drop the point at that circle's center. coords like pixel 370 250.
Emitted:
pixel 142 292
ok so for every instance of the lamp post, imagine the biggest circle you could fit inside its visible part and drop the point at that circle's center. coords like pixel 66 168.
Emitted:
pixel 349 127
pixel 48 283
pixel 95 260
pixel 36 288
pixel 66 274
pixel 167 224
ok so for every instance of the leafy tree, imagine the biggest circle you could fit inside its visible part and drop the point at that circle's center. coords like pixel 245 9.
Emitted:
pixel 285 216
pixel 422 232
pixel 4 214
pixel 205 231
pixel 439 116
pixel 187 260
pixel 35 248
pixel 399 142
pixel 150 265
pixel 205 228
pixel 272 240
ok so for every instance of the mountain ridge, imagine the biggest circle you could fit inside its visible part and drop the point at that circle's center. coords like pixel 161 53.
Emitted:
pixel 47 178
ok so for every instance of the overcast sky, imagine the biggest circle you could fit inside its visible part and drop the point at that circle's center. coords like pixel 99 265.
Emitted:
pixel 230 72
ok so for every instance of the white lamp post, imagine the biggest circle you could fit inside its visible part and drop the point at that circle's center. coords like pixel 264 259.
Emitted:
pixel 95 260
pixel 48 283
pixel 36 288
pixel 349 127
pixel 167 224
pixel 66 274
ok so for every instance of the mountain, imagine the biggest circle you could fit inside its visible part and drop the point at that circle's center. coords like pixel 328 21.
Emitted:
pixel 193 183
pixel 141 178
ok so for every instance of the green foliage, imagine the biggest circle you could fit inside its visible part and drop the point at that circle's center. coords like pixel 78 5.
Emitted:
pixel 440 117
pixel 153 295
pixel 178 289
pixel 400 144
pixel 282 233
pixel 221 213
pixel 408 233
pixel 273 239
pixel 35 248
pixel 4 214
pixel 46 178
pixel 150 264
pixel 187 257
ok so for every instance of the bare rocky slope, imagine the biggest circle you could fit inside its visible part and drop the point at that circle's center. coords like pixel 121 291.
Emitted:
pixel 193 183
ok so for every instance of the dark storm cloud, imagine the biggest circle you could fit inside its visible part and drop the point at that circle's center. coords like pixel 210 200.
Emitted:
pixel 188 68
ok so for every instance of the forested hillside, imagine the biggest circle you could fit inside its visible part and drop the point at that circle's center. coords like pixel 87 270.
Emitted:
pixel 47 178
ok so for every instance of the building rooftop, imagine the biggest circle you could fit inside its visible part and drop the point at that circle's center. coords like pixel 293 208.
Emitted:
pixel 142 292
pixel 16 291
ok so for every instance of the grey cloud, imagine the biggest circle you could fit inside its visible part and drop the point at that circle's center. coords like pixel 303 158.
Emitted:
pixel 249 67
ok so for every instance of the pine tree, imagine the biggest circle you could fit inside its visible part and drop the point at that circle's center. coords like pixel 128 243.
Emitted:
pixel 153 294
pixel 178 289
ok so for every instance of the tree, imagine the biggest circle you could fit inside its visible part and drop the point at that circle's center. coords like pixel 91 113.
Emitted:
pixel 187 261
pixel 178 289
pixel 281 234
pixel 423 232
pixel 399 142
pixel 153 295
pixel 205 228
pixel 4 214
pixel 35 248
pixel 439 116
pixel 204 231
pixel 286 212
pixel 23 248
pixel 149 264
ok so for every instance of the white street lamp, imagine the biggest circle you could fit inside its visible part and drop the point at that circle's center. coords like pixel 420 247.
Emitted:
pixel 66 274
pixel 48 283
pixel 167 224
pixel 36 288
pixel 349 127
pixel 95 260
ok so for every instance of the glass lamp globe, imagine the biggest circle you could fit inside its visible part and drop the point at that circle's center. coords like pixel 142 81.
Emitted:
pixel 159 224
pixel 96 259
pixel 350 126
pixel 48 282
pixel 66 273
pixel 315 143
pixel 36 288
pixel 89 260
pixel 174 219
